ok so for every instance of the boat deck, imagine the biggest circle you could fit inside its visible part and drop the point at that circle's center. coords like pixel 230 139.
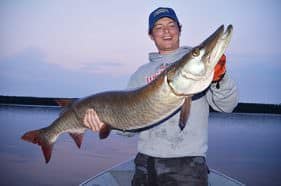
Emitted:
pixel 122 174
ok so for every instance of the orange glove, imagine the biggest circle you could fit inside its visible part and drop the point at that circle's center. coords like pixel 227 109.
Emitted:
pixel 220 69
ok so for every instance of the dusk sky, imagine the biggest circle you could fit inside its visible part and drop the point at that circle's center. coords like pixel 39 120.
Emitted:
pixel 73 48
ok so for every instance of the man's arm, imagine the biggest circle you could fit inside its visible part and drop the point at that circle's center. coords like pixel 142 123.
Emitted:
pixel 222 95
pixel 224 98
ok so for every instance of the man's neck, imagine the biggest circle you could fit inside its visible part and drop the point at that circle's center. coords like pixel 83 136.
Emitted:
pixel 164 52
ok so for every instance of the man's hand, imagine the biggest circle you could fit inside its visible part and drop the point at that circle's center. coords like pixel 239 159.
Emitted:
pixel 220 69
pixel 92 121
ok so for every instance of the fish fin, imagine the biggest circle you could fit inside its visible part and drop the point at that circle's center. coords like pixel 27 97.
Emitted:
pixel 47 150
pixel 104 131
pixel 36 137
pixel 78 138
pixel 185 109
pixel 64 102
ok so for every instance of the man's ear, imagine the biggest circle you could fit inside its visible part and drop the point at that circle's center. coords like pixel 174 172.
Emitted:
pixel 180 29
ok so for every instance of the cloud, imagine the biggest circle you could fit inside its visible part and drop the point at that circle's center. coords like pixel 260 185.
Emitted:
pixel 105 67
pixel 28 73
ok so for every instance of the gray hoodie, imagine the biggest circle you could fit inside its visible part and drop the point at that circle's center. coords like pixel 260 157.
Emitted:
pixel 166 139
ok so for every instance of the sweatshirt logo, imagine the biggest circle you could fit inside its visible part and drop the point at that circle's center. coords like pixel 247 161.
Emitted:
pixel 153 76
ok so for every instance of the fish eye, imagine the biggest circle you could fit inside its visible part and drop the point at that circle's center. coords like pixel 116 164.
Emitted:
pixel 196 52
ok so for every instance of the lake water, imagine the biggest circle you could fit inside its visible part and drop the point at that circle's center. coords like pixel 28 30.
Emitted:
pixel 243 146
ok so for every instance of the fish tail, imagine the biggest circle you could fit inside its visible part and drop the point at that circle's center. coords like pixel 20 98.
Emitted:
pixel 37 137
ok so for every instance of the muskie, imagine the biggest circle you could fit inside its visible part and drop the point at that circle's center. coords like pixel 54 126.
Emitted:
pixel 145 106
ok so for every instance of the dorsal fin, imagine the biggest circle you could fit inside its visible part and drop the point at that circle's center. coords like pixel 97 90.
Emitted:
pixel 64 102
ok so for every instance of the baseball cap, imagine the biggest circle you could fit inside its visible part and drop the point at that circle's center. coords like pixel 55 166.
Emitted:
pixel 160 13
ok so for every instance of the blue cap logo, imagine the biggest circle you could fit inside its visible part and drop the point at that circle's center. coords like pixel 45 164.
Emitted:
pixel 160 13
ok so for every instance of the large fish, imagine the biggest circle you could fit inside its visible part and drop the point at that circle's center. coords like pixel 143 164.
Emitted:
pixel 145 106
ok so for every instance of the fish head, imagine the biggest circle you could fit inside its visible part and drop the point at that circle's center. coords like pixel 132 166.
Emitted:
pixel 194 72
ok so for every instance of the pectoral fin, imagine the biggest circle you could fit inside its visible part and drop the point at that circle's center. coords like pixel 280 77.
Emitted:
pixel 185 109
pixel 104 131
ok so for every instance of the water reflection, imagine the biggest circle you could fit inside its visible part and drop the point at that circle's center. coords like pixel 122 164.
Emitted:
pixel 23 163
pixel 243 146
pixel 246 147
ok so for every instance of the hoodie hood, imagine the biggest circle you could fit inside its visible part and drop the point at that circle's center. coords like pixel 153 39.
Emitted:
pixel 169 58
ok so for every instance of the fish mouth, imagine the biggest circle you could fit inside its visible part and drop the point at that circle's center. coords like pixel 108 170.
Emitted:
pixel 198 65
pixel 206 55
pixel 215 45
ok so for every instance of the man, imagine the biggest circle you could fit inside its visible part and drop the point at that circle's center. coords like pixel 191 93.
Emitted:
pixel 168 156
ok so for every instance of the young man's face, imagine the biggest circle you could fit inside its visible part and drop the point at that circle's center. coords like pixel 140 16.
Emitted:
pixel 165 34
